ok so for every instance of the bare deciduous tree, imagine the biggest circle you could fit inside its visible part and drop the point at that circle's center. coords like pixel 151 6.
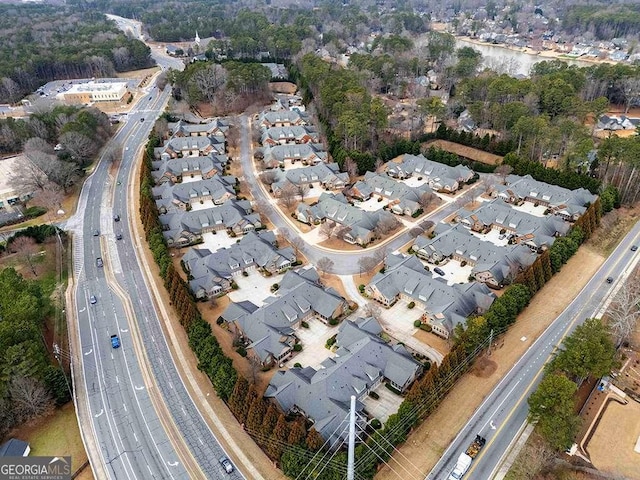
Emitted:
pixel 351 167
pixel 624 311
pixel 30 397
pixel 466 198
pixel 81 147
pixel 366 264
pixel 162 81
pixel 371 309
pixel 378 165
pixel 325 265
pixel 427 199
pixel 269 177
pixel 328 229
pixel 37 144
pixel 503 171
pixel 303 190
pixel 288 195
pixel 26 248
pixel 29 175
pixel 161 127
pixel 49 197
pixel 295 241
pixel 209 80
pixel 233 137
pixel 416 232
pixel 113 152
pixel 386 224
pixel 533 459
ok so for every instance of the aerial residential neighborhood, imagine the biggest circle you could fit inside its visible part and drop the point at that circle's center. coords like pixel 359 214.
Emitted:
pixel 310 240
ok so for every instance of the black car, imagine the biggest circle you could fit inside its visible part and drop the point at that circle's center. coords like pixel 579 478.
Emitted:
pixel 609 279
pixel 116 218
pixel 634 248
pixel 118 236
pixel 96 233
pixel 99 262
pixel 439 271
pixel 142 120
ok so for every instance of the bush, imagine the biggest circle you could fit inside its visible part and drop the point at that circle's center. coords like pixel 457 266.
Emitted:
pixel 297 347
pixel 333 321
pixel 374 395
pixel 234 286
pixel 392 388
pixel 411 305
pixel 245 273
pixel 417 323
pixel 275 287
pixel 426 327
pixel 304 324
pixel 220 320
pixel 296 263
pixel 35 211
pixel 463 263
pixel 417 213
pixel 241 351
pixel 330 342
pixel 297 365
pixel 361 288
pixel 375 424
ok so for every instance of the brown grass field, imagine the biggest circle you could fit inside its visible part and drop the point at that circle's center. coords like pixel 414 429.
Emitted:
pixel 467 152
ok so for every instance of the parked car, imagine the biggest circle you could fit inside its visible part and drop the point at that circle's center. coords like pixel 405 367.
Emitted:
pixel 226 464
pixel 118 236
pixel 609 279
pixel 115 341
pixel 116 218
pixel 93 299
pixel 99 263
pixel 439 271
pixel 634 248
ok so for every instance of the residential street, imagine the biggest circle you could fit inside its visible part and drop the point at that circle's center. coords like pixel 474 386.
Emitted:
pixel 344 262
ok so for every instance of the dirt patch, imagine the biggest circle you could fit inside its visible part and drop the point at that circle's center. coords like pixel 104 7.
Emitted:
pixel 334 282
pixel 619 426
pixel 138 74
pixel 283 87
pixel 613 226
pixel 434 341
pixel 466 152
pixel 336 244
pixel 427 443
pixel 484 367
pixel 56 434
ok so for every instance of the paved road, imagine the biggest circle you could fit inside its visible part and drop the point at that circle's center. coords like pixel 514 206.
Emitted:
pixel 130 432
pixel 505 410
pixel 344 263
pixel 132 441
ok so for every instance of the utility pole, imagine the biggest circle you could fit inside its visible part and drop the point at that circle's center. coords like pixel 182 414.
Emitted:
pixel 490 342
pixel 352 439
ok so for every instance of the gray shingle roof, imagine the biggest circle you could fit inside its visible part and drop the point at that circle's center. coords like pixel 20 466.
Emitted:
pixel 530 229
pixel 219 188
pixel 324 394
pixel 438 174
pixel 205 166
pixel 407 276
pixel 569 202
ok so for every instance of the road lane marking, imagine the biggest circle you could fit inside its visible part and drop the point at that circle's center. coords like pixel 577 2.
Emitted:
pixel 98 414
pixel 89 352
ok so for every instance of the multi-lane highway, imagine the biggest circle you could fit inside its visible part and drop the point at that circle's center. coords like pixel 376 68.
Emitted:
pixel 505 410
pixel 142 419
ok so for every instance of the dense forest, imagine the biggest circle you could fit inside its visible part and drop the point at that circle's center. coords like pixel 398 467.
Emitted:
pixel 604 21
pixel 259 23
pixel 29 382
pixel 40 43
